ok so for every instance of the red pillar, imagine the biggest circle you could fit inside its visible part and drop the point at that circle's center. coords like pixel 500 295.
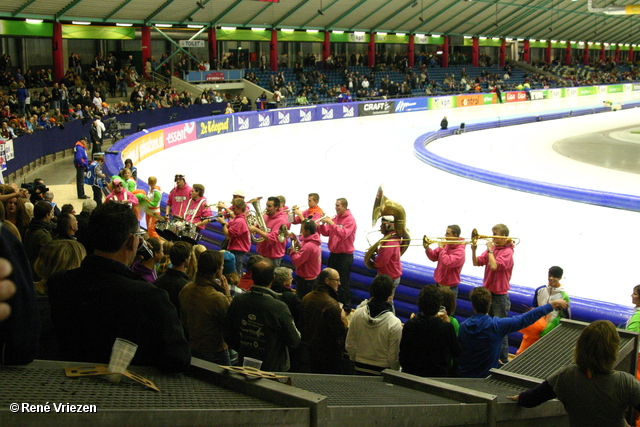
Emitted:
pixel 547 53
pixel 58 54
pixel 616 57
pixel 630 58
pixel 445 52
pixel 475 52
pixel 585 54
pixel 411 51
pixel 527 51
pixel 371 50
pixel 326 47
pixel 146 47
pixel 567 55
pixel 602 52
pixel 273 50
pixel 503 52
pixel 213 48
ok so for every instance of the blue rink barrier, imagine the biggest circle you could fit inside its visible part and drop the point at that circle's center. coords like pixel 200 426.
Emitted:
pixel 415 276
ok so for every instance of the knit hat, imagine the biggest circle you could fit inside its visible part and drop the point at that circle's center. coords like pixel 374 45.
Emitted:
pixel 229 262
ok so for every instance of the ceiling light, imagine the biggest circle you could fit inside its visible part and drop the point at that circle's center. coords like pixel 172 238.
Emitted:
pixel 401 34
pixel 228 28
pixel 289 30
pixel 80 23
pixel 419 35
pixel 194 26
pixel 381 33
pixel 359 33
pixel 123 24
pixel 312 31
pixel 34 21
pixel 164 25
pixel 258 28
pixel 337 32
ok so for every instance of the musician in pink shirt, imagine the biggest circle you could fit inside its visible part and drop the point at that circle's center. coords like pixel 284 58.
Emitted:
pixel 450 258
pixel 197 211
pixel 387 260
pixel 271 247
pixel 179 197
pixel 119 194
pixel 237 231
pixel 341 230
pixel 307 258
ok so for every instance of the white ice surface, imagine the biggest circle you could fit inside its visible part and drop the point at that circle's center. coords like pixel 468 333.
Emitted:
pixel 352 157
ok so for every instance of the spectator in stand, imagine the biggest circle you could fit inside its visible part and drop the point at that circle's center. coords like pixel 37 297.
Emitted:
pixel 153 254
pixel 175 277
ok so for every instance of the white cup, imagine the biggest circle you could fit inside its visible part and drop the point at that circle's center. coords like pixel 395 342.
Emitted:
pixel 249 362
pixel 121 355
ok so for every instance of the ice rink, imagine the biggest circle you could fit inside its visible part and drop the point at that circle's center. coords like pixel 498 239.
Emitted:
pixel 350 158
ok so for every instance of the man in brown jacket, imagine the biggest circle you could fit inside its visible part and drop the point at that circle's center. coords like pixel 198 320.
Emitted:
pixel 324 324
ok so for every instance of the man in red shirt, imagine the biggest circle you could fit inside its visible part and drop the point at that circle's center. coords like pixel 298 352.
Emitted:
pixel 237 231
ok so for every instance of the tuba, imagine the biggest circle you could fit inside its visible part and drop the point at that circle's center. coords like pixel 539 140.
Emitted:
pixel 383 206
pixel 255 218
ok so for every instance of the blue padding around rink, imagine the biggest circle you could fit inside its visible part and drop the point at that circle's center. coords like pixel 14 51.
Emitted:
pixel 415 276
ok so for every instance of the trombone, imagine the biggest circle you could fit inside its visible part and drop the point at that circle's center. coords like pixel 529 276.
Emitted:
pixel 475 236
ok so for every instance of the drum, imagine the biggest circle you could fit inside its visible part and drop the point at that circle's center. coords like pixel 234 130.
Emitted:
pixel 161 226
pixel 172 232
pixel 190 234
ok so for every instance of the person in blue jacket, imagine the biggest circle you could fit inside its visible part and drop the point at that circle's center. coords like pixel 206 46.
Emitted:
pixel 81 162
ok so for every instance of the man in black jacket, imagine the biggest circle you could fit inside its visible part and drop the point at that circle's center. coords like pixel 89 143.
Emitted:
pixel 103 300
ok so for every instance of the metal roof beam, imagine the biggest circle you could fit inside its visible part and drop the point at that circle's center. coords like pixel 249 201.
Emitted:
pixel 157 11
pixel 67 8
pixel 435 15
pixel 346 13
pixel 290 12
pixel 23 7
pixel 392 14
pixel 117 9
pixel 203 2
pixel 314 16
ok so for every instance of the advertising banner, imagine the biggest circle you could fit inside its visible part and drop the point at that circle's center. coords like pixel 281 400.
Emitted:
pixel 636 86
pixel 489 98
pixel 570 92
pixel 145 146
pixel 179 134
pixel 554 93
pixel 516 96
pixel 245 121
pixel 375 108
pixel 214 126
pixel 587 90
pixel 441 102
pixel 294 115
pixel 335 111
pixel 614 88
pixel 416 104
pixel 469 100
pixel 626 87
pixel 537 94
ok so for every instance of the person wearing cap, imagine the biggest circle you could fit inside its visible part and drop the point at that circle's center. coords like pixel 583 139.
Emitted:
pixel 95 177
pixel 237 232
pixel 178 197
pixel 387 261
pixel 307 258
pixel 81 162
pixel 198 211
pixel 120 195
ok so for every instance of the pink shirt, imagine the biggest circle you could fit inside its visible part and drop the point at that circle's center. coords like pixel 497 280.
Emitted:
pixel 197 210
pixel 271 246
pixel 342 234
pixel 178 200
pixel 388 259
pixel 450 261
pixel 239 237
pixel 124 196
pixel 308 260
pixel 497 281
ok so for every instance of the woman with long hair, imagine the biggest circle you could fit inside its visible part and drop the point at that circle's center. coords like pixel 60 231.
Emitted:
pixel 203 309
pixel 592 392
pixel 17 214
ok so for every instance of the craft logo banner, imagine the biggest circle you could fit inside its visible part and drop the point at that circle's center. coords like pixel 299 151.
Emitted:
pixel 211 127
pixel 179 134
pixel 376 108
